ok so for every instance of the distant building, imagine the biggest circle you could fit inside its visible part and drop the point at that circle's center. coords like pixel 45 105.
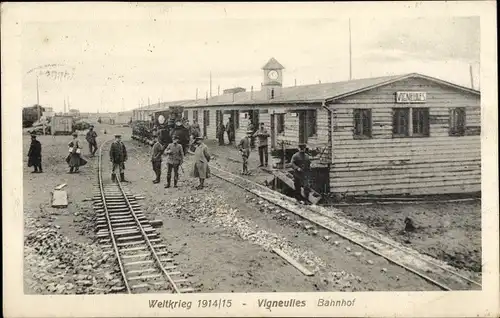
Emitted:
pixel 234 90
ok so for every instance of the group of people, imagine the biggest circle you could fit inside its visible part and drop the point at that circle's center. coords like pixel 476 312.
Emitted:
pixel 300 161
pixel 245 146
pixel 228 129
pixel 175 158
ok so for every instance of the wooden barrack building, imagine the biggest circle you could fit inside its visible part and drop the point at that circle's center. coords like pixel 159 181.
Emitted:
pixel 392 135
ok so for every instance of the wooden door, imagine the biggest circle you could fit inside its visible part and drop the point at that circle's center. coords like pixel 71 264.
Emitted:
pixel 206 115
pixel 302 127
pixel 273 131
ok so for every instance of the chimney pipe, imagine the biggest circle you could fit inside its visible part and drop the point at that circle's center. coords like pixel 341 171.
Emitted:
pixel 251 93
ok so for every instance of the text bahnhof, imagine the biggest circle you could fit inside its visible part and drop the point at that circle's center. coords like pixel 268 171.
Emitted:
pixel 262 303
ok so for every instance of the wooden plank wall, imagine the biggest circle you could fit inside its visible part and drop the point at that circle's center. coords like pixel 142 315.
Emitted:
pixel 320 140
pixel 386 165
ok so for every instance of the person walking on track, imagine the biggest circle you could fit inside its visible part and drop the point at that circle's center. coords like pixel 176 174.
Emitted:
pixel 244 148
pixel 175 158
pixel 262 135
pixel 118 156
pixel 200 162
pixel 301 164
pixel 74 159
pixel 156 158
pixel 35 155
pixel 91 139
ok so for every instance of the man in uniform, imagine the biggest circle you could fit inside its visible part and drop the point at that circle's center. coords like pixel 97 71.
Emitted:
pixel 220 133
pixel 301 164
pixel 181 132
pixel 118 156
pixel 175 158
pixel 35 155
pixel 263 135
pixel 91 139
pixel 156 158
pixel 244 147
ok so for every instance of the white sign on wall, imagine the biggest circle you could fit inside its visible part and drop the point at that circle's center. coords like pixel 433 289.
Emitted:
pixel 411 97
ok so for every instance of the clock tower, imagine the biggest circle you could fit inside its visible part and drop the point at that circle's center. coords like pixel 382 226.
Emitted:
pixel 273 78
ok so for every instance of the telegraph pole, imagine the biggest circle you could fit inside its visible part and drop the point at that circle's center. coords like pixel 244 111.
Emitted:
pixel 210 83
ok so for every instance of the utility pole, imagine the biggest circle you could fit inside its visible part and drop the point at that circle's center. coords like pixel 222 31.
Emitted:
pixel 350 51
pixel 218 90
pixel 210 83
pixel 38 98
pixel 197 94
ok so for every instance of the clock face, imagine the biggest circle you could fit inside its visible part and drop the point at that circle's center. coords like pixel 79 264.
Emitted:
pixel 161 119
pixel 273 75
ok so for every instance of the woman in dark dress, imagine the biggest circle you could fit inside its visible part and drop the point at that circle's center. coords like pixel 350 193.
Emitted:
pixel 74 159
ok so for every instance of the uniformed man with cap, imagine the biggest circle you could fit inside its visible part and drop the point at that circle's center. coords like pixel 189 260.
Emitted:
pixel 301 164
pixel 35 154
pixel 118 156
pixel 244 148
pixel 91 139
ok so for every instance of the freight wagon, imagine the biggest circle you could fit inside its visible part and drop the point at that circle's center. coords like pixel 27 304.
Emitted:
pixel 160 124
pixel 62 125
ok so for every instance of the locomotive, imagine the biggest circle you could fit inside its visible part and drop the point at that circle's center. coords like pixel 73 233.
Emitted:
pixel 160 124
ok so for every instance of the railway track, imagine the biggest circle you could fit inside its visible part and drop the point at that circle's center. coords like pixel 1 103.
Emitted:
pixel 145 263
pixel 437 273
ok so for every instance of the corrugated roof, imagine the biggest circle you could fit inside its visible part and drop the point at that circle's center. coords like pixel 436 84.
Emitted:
pixel 306 93
pixel 303 93
pixel 273 64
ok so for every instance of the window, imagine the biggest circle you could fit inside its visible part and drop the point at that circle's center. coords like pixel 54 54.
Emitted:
pixel 400 122
pixel 420 118
pixel 195 116
pixel 280 125
pixel 311 123
pixel 457 121
pixel 185 114
pixel 206 117
pixel 410 122
pixel 272 93
pixel 362 123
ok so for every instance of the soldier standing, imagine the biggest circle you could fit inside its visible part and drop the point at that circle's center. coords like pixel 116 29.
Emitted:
pixel 35 155
pixel 175 159
pixel 244 147
pixel 156 158
pixel 118 156
pixel 263 135
pixel 220 133
pixel 91 139
pixel 301 164
pixel 201 158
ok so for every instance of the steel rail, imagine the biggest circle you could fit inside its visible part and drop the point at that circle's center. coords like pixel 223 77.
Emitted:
pixel 442 286
pixel 148 242
pixel 111 233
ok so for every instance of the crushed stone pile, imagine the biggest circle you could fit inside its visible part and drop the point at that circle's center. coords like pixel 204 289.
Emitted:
pixel 213 208
pixel 64 267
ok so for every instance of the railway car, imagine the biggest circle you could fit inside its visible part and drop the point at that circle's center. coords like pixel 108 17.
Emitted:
pixel 159 124
pixel 164 122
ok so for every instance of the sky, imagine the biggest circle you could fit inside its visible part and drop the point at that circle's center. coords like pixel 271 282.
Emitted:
pixel 118 64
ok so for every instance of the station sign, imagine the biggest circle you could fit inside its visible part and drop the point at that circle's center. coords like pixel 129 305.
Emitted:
pixel 411 97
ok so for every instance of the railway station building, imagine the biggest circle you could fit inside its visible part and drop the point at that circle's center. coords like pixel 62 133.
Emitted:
pixel 407 134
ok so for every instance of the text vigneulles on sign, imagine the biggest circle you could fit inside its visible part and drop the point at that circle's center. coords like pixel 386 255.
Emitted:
pixel 411 97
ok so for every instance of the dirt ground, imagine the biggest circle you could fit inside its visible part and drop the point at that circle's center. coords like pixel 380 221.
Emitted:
pixel 221 236
pixel 450 231
pixel 447 231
